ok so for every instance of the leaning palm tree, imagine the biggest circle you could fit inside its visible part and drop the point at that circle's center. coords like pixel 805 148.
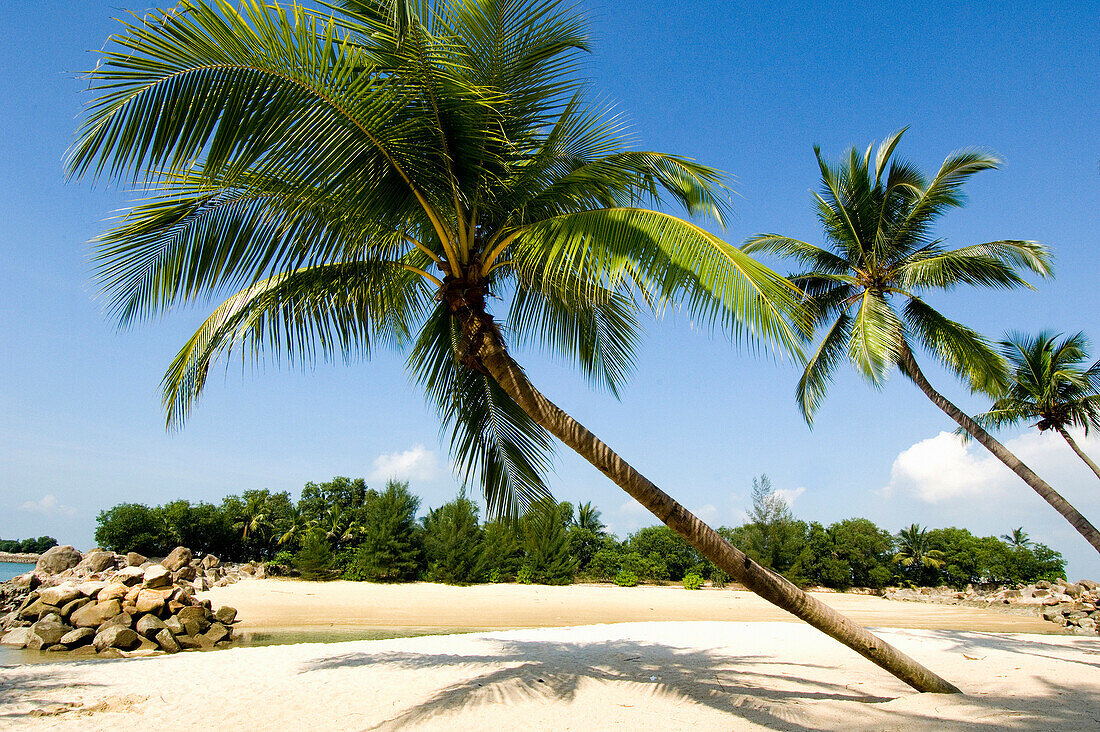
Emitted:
pixel 866 288
pixel 358 180
pixel 1049 381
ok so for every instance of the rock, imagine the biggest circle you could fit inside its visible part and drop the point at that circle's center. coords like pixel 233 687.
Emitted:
pixel 73 606
pixel 17 637
pixel 37 608
pixel 55 648
pixel 185 574
pixel 149 625
pixel 156 577
pixel 219 632
pixel 91 588
pixel 97 560
pixel 134 559
pixel 123 619
pixel 167 641
pixel 1073 590
pixel 113 591
pixel 92 616
pixel 149 601
pixel 129 576
pixel 78 637
pixel 115 636
pixel 189 641
pixel 57 559
pixel 110 653
pixel 248 569
pixel 174 606
pixel 1042 585
pixel 46 632
pixel 1089 585
pixel 59 595
pixel 210 561
pixel 225 614
pixel 174 625
pixel 195 615
pixel 179 557
pixel 26 581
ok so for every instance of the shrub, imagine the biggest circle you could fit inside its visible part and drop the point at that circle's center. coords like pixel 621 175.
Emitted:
pixel 525 576
pixel 452 543
pixel 501 551
pixel 692 581
pixel 626 578
pixel 314 560
pixel 547 544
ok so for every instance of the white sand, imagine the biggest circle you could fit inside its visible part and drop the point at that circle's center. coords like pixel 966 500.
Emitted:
pixel 661 675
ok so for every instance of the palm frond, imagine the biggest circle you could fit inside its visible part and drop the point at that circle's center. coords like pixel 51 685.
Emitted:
pixel 965 352
pixel 817 376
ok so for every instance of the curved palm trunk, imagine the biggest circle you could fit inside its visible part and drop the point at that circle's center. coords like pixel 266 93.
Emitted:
pixel 490 353
pixel 1080 453
pixel 909 367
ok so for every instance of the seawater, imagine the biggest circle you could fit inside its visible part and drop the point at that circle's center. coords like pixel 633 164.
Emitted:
pixel 11 569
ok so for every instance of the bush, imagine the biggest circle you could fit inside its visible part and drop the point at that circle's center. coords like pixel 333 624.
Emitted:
pixel 314 560
pixel 501 551
pixel 452 543
pixel 525 576
pixel 692 581
pixel 626 578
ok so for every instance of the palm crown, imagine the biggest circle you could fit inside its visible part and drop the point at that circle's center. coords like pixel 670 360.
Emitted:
pixel 359 180
pixel 866 286
pixel 1050 381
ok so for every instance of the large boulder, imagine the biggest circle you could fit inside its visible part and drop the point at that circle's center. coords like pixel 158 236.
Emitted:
pixel 98 560
pixel 93 616
pixel 91 588
pixel 217 632
pixel 46 632
pixel 179 557
pixel 73 605
pixel 196 616
pixel 150 625
pixel 17 637
pixel 174 625
pixel 156 577
pixel 59 595
pixel 57 559
pixel 210 561
pixel 167 641
pixel 78 637
pixel 115 636
pixel 225 614
pixel 129 576
pixel 113 591
pixel 135 560
pixel 149 601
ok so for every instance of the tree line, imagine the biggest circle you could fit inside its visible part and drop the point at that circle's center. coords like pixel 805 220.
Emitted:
pixel 27 546
pixel 342 528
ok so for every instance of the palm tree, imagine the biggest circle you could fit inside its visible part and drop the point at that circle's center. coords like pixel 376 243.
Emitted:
pixel 881 254
pixel 295 526
pixel 254 521
pixel 1051 382
pixel 914 553
pixel 359 180
pixel 339 527
pixel 588 518
pixel 1018 539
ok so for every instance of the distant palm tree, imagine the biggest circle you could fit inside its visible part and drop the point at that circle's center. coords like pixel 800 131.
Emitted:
pixel 914 553
pixel 1018 539
pixel 339 527
pixel 1052 382
pixel 295 526
pixel 388 175
pixel 255 520
pixel 588 517
pixel 866 290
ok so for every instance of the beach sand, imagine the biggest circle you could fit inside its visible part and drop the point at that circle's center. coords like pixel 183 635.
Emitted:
pixel 716 674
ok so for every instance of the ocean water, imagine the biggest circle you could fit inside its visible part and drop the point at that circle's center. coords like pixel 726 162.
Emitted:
pixel 11 569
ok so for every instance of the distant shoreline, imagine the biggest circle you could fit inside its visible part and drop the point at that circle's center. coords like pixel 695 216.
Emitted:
pixel 19 558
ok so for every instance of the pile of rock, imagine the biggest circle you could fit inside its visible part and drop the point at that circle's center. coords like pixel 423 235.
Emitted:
pixel 1073 605
pixel 108 604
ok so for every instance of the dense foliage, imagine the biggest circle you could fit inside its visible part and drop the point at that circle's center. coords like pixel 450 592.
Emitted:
pixel 27 546
pixel 343 528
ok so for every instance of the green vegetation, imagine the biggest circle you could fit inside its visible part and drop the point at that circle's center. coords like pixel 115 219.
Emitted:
pixel 345 529
pixel 27 546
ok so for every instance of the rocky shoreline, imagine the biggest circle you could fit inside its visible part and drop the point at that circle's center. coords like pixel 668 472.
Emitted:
pixel 103 604
pixel 19 558
pixel 1075 606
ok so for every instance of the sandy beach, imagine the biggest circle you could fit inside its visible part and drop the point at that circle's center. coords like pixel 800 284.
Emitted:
pixel 740 669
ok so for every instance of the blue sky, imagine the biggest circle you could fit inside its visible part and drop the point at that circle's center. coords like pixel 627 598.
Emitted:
pixel 748 88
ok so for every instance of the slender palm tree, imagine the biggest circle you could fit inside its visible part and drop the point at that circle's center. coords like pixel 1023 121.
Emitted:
pixel 255 520
pixel 1049 381
pixel 866 288
pixel 294 527
pixel 588 517
pixel 914 553
pixel 387 175
pixel 1018 539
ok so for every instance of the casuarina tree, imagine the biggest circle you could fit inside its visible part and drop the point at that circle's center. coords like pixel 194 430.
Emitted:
pixel 390 174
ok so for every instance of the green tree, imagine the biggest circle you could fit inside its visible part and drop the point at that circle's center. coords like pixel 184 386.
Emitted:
pixel 773 536
pixel 1017 539
pixel 391 542
pixel 546 544
pixel 920 561
pixel 663 547
pixel 347 494
pixel 129 527
pixel 588 518
pixel 453 543
pixel 364 181
pixel 502 550
pixel 201 527
pixel 1051 382
pixel 866 288
pixel 315 559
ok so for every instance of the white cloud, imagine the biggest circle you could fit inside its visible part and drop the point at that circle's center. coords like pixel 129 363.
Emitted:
pixel 49 505
pixel 416 463
pixel 633 508
pixel 943 468
pixel 790 495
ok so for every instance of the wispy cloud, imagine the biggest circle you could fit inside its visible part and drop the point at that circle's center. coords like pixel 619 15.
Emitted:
pixel 790 495
pixel 49 505
pixel 416 463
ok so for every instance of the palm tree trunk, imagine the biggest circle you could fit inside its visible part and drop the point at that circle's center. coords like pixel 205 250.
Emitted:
pixel 909 367
pixel 1080 453
pixel 489 351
